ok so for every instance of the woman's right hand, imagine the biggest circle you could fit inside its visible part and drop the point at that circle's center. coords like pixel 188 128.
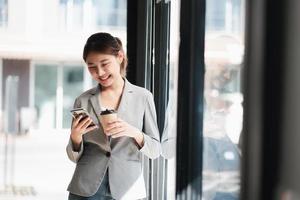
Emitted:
pixel 79 128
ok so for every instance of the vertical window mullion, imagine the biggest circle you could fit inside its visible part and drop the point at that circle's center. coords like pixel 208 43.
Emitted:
pixel 190 100
pixel 59 97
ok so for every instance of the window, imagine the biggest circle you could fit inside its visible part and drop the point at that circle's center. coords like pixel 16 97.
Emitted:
pixel 72 87
pixel 224 15
pixel 110 12
pixel 45 95
pixel 3 13
pixel 223 99
pixel 56 88
pixel 215 15
pixel 71 14
pixel 92 14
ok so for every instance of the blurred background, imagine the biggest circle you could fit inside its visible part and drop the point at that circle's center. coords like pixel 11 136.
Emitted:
pixel 42 72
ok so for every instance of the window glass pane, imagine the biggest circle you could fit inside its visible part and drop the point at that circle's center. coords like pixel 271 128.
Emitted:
pixel 224 44
pixel 215 13
pixel 72 87
pixel 71 14
pixel 110 12
pixel 77 15
pixel 3 13
pixel 168 139
pixel 92 14
pixel 45 95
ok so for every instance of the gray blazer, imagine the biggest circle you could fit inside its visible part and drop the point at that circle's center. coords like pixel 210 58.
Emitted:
pixel 121 155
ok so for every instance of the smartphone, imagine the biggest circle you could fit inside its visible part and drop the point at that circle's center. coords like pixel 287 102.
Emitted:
pixel 81 112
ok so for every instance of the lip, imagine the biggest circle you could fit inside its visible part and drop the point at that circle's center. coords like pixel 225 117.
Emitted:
pixel 106 78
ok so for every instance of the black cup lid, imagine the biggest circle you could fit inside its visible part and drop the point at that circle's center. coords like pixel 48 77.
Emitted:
pixel 107 111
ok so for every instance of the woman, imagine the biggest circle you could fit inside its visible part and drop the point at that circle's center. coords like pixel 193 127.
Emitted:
pixel 108 162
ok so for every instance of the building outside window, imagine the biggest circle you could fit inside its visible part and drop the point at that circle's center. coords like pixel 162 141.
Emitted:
pixel 45 51
pixel 56 86
pixel 71 12
pixel 110 12
pixel 3 13
pixel 73 82
pixel 45 95
pixel 91 14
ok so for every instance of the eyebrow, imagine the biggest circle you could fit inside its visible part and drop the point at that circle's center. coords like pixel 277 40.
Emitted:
pixel 102 61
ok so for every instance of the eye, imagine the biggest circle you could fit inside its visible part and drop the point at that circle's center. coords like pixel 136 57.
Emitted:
pixel 92 68
pixel 105 64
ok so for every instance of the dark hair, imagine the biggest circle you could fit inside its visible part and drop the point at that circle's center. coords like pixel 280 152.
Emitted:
pixel 107 44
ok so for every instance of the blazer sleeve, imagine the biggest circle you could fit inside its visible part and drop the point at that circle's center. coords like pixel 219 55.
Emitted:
pixel 168 139
pixel 72 154
pixel 152 147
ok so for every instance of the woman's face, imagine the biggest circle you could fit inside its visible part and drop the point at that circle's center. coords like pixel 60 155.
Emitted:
pixel 104 68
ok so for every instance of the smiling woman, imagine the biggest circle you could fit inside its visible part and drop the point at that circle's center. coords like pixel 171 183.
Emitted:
pixel 112 169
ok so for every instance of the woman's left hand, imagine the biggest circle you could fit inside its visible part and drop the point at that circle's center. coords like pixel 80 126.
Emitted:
pixel 120 128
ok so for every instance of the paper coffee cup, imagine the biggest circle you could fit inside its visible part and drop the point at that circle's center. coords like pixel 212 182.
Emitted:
pixel 107 116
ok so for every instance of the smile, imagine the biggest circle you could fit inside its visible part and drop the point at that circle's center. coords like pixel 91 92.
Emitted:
pixel 105 78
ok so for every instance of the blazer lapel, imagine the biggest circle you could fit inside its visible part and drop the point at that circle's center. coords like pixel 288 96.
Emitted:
pixel 94 99
pixel 123 106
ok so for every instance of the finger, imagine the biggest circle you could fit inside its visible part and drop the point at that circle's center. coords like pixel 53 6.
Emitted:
pixel 116 131
pixel 91 128
pixel 118 120
pixel 114 125
pixel 76 120
pixel 88 123
pixel 84 121
pixel 121 134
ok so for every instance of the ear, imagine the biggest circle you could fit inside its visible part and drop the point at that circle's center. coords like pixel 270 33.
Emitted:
pixel 120 57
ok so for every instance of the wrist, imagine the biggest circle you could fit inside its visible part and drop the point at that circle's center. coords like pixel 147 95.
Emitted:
pixel 139 138
pixel 76 144
pixel 76 139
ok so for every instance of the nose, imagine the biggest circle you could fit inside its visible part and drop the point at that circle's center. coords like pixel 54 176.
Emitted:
pixel 101 72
